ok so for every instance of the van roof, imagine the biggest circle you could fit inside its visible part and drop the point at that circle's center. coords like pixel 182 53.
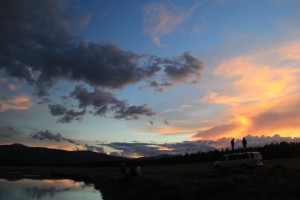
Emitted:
pixel 254 152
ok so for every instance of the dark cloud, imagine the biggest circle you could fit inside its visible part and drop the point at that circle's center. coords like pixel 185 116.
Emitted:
pixel 151 149
pixel 8 131
pixel 67 115
pixel 47 135
pixel 37 44
pixel 56 109
pixel 123 111
pixel 98 98
pixel 135 148
pixel 184 68
pixel 94 148
pixel 103 102
pixel 44 100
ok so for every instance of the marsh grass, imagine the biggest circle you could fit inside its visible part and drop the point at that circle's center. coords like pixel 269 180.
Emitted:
pixel 277 179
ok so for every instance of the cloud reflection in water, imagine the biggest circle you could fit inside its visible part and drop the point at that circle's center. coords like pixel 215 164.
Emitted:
pixel 47 189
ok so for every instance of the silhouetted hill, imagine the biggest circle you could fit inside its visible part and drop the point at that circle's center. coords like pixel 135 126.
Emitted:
pixel 18 154
pixel 158 157
pixel 21 154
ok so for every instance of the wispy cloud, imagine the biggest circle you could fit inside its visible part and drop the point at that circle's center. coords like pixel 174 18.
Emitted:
pixel 160 19
pixel 8 132
pixel 184 107
pixel 94 148
pixel 48 135
pixel 13 87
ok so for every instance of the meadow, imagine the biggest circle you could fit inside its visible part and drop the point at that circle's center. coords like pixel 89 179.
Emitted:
pixel 277 179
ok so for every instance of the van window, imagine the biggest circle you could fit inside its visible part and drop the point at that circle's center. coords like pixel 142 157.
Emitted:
pixel 243 156
pixel 232 157
pixel 257 156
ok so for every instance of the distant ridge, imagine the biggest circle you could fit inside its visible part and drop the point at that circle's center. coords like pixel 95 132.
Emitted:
pixel 19 153
pixel 158 157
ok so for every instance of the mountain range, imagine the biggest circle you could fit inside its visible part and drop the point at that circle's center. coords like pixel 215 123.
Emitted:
pixel 21 154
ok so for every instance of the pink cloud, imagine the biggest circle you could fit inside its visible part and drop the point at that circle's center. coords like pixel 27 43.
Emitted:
pixel 16 103
pixel 260 92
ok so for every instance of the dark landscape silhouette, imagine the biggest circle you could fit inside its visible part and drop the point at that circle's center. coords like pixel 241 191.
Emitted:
pixel 18 154
pixel 189 176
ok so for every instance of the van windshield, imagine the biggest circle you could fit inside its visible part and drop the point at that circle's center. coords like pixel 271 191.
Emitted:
pixel 257 156
pixel 243 156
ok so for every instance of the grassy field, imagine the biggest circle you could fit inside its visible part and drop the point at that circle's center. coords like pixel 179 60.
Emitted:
pixel 277 179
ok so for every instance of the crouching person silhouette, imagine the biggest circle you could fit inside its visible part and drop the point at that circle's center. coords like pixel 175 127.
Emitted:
pixel 135 171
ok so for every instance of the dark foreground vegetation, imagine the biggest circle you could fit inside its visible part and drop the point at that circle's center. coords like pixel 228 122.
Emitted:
pixel 282 150
pixel 16 155
pixel 187 177
pixel 277 179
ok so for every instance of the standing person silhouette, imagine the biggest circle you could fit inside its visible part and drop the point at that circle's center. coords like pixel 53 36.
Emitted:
pixel 244 141
pixel 232 144
pixel 124 171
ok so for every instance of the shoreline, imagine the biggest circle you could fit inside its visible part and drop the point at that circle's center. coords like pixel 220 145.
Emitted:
pixel 278 179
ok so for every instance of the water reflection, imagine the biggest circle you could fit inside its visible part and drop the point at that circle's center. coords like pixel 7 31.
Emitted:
pixel 47 189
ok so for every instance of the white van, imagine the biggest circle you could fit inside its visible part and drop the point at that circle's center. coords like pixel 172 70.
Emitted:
pixel 235 160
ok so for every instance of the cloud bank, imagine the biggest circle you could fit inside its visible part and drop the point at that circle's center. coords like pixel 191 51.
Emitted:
pixel 136 149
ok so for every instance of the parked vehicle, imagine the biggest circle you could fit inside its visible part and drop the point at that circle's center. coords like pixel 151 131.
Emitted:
pixel 239 160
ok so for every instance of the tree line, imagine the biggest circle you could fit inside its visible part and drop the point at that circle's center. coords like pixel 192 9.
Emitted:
pixel 282 150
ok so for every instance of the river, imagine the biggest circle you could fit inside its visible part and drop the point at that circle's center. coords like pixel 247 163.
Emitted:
pixel 47 189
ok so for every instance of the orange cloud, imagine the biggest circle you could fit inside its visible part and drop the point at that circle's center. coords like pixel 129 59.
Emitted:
pixel 63 183
pixel 17 103
pixel 59 184
pixel 261 92
pixel 64 146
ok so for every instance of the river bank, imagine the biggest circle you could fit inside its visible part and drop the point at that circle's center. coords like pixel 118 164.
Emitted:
pixel 277 179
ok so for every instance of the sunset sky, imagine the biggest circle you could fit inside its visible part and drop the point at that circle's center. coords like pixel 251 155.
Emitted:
pixel 142 78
